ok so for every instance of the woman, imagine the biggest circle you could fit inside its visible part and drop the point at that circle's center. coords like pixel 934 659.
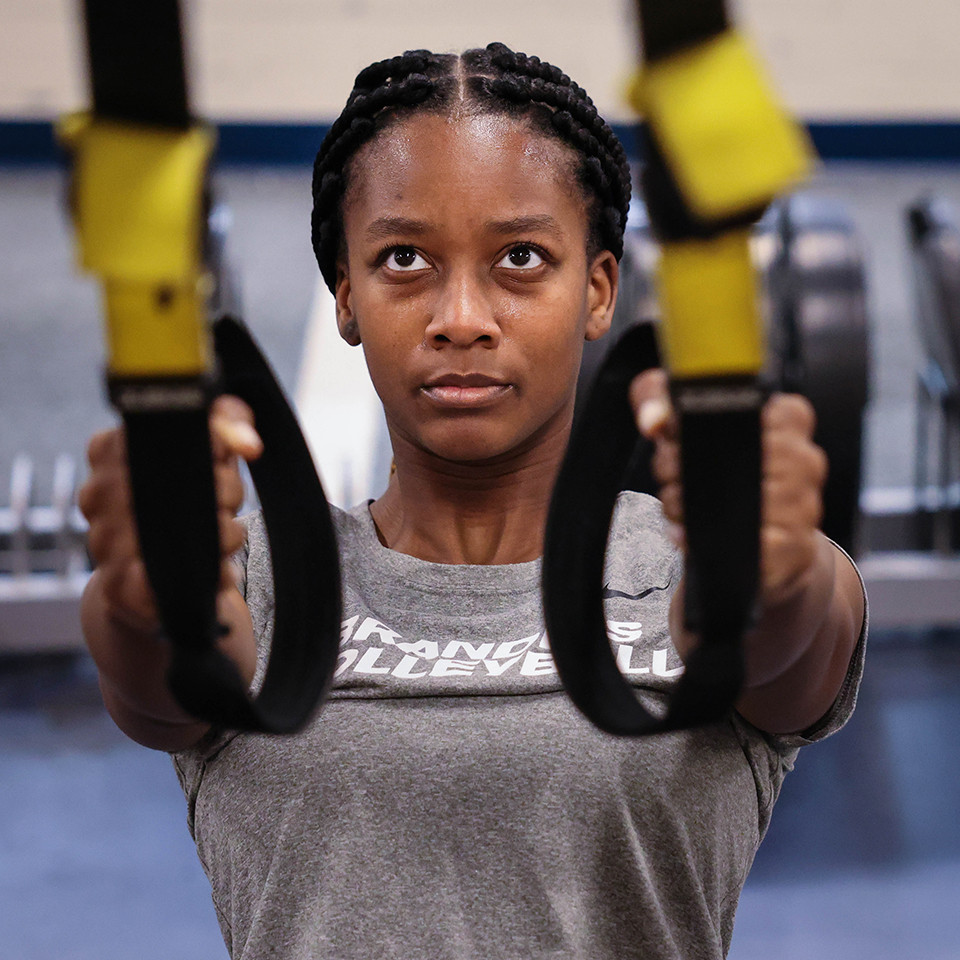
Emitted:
pixel 449 802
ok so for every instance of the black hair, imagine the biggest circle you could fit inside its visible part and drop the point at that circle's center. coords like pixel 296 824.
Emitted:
pixel 491 80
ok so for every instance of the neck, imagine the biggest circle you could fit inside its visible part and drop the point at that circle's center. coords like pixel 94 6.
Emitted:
pixel 492 512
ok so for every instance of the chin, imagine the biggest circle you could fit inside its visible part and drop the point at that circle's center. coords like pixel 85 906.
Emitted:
pixel 470 446
pixel 473 449
pixel 477 441
pixel 471 454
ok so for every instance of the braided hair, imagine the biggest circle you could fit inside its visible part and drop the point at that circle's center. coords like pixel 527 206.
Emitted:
pixel 493 80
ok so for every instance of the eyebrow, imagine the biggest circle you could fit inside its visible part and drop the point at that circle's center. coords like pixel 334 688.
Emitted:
pixel 384 227
pixel 541 221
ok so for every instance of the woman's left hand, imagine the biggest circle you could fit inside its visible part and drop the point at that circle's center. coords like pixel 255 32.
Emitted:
pixel 793 474
pixel 811 605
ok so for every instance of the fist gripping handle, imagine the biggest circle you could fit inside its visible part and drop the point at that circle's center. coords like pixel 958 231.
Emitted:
pixel 175 509
pixel 597 462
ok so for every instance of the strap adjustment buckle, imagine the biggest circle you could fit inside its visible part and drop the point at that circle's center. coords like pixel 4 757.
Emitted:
pixel 138 198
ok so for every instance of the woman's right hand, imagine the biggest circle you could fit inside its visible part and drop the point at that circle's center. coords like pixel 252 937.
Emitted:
pixel 105 500
pixel 119 614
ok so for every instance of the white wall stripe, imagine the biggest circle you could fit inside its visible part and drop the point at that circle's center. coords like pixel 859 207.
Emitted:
pixel 340 411
pixel 296 59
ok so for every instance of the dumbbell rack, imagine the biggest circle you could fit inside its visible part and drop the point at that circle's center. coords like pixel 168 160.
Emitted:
pixel 43 562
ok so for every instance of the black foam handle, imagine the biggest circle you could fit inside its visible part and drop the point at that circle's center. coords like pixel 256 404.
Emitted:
pixel 175 509
pixel 174 504
pixel 591 477
pixel 720 458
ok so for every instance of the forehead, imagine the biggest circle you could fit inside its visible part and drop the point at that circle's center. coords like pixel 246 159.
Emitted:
pixel 433 165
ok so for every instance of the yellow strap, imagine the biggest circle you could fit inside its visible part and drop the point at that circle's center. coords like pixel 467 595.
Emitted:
pixel 138 210
pixel 154 332
pixel 138 198
pixel 712 324
pixel 726 139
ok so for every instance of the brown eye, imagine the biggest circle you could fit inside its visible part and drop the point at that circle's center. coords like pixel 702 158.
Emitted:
pixel 405 258
pixel 521 257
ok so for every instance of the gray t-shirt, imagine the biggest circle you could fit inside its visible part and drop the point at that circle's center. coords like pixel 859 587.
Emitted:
pixel 449 803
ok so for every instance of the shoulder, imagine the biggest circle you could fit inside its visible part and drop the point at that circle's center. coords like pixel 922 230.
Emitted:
pixel 639 543
pixel 637 514
pixel 348 525
pixel 354 526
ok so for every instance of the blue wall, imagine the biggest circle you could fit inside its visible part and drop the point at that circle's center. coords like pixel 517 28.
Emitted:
pixel 32 141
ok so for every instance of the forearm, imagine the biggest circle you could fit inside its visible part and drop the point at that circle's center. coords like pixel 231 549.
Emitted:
pixel 132 662
pixel 798 654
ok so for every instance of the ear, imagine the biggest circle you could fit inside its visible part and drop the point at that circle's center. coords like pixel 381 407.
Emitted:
pixel 602 282
pixel 346 320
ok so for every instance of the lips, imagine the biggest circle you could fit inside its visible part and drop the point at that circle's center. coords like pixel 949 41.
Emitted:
pixel 465 390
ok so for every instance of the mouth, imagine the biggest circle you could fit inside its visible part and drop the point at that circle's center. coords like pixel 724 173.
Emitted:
pixel 465 390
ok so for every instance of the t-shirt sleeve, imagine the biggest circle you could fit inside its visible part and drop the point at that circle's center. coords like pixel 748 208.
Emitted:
pixel 640 544
pixel 772 756
pixel 842 707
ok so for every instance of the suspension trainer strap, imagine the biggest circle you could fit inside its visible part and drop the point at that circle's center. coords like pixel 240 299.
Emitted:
pixel 140 199
pixel 303 554
pixel 584 496
pixel 718 149
pixel 135 51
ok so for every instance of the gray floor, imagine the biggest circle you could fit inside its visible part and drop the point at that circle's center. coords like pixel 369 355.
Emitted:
pixel 863 857
pixel 95 859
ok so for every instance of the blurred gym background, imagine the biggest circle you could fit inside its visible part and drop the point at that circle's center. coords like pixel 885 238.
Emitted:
pixel 863 267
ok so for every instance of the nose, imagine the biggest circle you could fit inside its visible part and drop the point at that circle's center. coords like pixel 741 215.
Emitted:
pixel 463 315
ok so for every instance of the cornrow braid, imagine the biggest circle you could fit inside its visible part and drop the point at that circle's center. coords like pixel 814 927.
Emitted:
pixel 578 121
pixel 413 61
pixel 493 80
pixel 380 90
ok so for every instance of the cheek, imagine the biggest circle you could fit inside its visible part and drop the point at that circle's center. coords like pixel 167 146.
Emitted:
pixel 387 325
pixel 384 366
pixel 390 340
pixel 553 333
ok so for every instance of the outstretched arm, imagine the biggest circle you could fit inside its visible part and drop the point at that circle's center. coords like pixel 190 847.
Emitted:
pixel 118 612
pixel 811 599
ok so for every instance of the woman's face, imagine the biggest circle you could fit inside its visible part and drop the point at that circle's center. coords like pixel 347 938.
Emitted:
pixel 467 281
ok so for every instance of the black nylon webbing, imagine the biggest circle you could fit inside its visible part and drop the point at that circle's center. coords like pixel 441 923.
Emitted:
pixel 602 444
pixel 667 26
pixel 137 76
pixel 136 61
pixel 175 509
pixel 601 448
pixel 303 545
